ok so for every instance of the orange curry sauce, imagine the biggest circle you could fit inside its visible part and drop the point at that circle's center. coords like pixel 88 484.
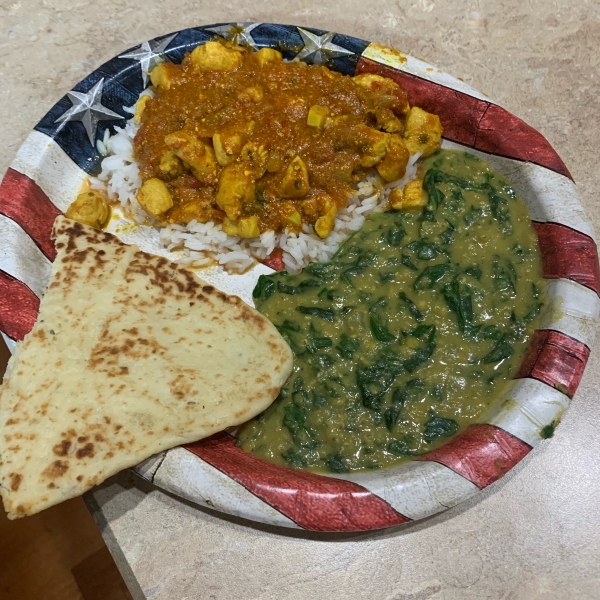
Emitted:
pixel 248 135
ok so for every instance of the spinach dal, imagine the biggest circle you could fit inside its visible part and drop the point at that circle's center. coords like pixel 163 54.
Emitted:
pixel 409 333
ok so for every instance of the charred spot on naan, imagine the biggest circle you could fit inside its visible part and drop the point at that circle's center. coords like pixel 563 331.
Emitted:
pixel 15 481
pixel 55 469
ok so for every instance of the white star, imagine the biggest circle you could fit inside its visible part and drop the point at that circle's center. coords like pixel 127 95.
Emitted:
pixel 149 54
pixel 87 108
pixel 319 48
pixel 238 33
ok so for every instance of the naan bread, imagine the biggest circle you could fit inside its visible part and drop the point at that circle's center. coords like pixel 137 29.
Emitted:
pixel 131 354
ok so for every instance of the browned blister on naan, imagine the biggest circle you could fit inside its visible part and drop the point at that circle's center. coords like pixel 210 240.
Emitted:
pixel 131 355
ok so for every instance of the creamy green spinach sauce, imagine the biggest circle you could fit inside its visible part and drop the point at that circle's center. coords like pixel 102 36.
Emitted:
pixel 409 333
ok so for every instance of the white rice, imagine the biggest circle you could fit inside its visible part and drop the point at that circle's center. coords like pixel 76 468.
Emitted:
pixel 206 243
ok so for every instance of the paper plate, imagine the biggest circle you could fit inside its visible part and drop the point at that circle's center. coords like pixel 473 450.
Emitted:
pixel 59 154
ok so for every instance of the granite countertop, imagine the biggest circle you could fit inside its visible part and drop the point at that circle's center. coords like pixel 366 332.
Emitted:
pixel 532 535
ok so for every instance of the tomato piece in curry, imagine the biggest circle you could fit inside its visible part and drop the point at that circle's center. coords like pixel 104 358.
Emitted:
pixel 245 139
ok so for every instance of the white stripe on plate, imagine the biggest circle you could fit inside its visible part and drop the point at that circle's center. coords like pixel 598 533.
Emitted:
pixel 187 475
pixel 417 489
pixel 21 258
pixel 10 343
pixel 547 195
pixel 415 66
pixel 44 161
pixel 528 405
pixel 570 308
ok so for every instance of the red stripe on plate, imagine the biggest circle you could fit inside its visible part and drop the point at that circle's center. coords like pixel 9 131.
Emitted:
pixel 500 132
pixel 471 121
pixel 568 254
pixel 555 359
pixel 482 454
pixel 312 501
pixel 24 201
pixel 19 307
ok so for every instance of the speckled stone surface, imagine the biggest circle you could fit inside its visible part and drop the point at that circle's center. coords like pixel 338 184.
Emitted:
pixel 533 535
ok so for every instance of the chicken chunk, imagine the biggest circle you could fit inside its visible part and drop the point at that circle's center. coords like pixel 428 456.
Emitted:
pixel 256 157
pixel 391 95
pixel 214 56
pixel 162 75
pixel 393 166
pixel 295 181
pixel 244 227
pixel 254 93
pixel 387 121
pixel 195 153
pixel 374 145
pixel 236 187
pixel 139 109
pixel 411 197
pixel 170 164
pixel 325 224
pixel 422 131
pixel 90 208
pixel 265 55
pixel 192 205
pixel 154 197
pixel 227 147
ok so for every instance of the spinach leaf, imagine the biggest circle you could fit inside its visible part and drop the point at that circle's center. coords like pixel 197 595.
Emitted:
pixel 474 271
pixel 264 288
pixel 425 330
pixel 380 330
pixel 348 346
pixel 435 196
pixel 395 235
pixel 533 313
pixel 321 342
pixel 491 332
pixel 425 250
pixel 391 417
pixel 286 289
pixel 380 303
pixel 420 356
pixel 473 216
pixel 412 307
pixel 288 325
pixel 336 463
pixel 504 277
pixel 459 301
pixel 500 210
pixel 322 313
pixel 447 236
pixel 432 275
pixel 375 380
pixel 402 448
pixel 408 263
pixel 501 351
pixel 294 459
pixel 438 427
pixel 294 418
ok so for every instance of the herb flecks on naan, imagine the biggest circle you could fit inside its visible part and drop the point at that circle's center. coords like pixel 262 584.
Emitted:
pixel 131 355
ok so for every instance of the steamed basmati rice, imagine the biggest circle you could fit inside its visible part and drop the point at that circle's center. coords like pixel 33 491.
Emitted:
pixel 207 243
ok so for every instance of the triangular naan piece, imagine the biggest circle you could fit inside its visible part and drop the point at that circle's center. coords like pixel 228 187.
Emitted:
pixel 131 354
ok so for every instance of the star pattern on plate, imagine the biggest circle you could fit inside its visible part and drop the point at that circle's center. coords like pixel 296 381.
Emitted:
pixel 149 54
pixel 87 108
pixel 238 33
pixel 319 48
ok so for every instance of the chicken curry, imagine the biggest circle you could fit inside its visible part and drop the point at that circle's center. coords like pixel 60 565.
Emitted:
pixel 245 139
